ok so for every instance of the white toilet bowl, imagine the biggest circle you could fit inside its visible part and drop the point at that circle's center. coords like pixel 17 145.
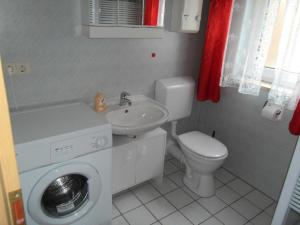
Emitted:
pixel 203 156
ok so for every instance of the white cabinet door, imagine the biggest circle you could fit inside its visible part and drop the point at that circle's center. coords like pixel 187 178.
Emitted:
pixel 123 167
pixel 150 158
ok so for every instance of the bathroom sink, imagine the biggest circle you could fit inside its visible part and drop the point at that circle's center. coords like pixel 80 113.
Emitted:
pixel 144 114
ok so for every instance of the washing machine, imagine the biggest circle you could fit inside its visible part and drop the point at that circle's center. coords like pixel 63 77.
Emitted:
pixel 64 160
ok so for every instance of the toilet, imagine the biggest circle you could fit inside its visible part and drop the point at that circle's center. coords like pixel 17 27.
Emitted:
pixel 201 154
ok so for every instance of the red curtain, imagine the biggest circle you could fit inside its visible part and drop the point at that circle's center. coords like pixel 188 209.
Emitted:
pixel 151 12
pixel 295 122
pixel 214 49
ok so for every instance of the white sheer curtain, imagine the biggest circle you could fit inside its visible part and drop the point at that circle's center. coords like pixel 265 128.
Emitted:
pixel 285 88
pixel 249 39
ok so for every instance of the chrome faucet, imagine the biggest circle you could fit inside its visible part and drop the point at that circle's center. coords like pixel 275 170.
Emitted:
pixel 124 99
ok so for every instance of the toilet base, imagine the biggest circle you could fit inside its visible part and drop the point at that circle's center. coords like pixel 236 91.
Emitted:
pixel 202 185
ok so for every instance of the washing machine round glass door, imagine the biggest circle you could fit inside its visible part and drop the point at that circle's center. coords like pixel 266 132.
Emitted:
pixel 65 194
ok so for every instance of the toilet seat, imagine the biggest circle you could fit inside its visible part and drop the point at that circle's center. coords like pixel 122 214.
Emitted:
pixel 202 145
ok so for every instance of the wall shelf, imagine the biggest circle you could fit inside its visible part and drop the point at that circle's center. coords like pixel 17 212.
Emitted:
pixel 122 32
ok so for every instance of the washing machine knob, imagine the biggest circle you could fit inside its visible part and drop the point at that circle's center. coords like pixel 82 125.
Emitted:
pixel 100 142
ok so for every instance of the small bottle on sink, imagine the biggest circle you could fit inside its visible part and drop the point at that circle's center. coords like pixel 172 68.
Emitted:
pixel 99 104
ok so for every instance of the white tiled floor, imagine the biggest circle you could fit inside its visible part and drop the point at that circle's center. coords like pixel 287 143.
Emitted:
pixel 146 193
pixel 235 202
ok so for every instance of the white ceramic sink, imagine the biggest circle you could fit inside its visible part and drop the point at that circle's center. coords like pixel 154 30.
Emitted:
pixel 143 115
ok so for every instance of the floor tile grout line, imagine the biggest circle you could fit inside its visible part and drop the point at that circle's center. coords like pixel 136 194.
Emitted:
pixel 195 201
pixel 208 219
pixel 116 209
pixel 254 203
pixel 229 205
pixel 144 204
pixel 126 219
pixel 226 183
pixel 183 170
pixel 178 209
pixel 261 212
pixel 217 212
pixel 212 215
pixel 178 169
pixel 248 184
pixel 243 196
pixel 177 187
pixel 219 220
pixel 163 196
pixel 248 220
pixel 265 210
pixel 173 174
pixel 179 163
pixel 256 216
pixel 123 213
pixel 156 217
pixel 220 180
pixel 170 173
pixel 201 204
pixel 148 183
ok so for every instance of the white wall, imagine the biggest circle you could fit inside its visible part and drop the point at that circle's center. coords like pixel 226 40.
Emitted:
pixel 65 65
pixel 259 150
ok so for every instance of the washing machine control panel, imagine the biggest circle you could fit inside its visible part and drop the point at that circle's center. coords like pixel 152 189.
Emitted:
pixel 99 142
pixel 61 148
pixel 70 148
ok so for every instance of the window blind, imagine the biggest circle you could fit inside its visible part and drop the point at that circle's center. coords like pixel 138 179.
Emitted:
pixel 120 12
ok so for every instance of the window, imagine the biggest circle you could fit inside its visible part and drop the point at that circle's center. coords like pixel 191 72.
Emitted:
pixel 123 18
pixel 121 12
pixel 268 75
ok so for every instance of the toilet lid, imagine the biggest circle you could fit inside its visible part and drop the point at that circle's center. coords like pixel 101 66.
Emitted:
pixel 203 144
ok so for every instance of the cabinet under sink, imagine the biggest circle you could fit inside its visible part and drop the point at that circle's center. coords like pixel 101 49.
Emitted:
pixel 137 159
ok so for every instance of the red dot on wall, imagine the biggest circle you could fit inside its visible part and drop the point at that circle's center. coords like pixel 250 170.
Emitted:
pixel 153 55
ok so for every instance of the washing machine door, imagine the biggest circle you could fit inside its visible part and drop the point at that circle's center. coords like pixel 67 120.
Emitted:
pixel 65 194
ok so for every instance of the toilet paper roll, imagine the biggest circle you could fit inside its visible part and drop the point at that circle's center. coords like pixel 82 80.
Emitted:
pixel 272 111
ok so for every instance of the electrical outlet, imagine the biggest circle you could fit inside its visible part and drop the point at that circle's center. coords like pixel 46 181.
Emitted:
pixel 17 68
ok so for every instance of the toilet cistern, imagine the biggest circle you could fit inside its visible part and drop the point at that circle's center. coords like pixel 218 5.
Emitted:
pixel 124 99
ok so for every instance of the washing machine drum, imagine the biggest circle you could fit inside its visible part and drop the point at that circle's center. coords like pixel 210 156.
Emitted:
pixel 65 195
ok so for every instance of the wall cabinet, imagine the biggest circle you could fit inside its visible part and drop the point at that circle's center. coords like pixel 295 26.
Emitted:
pixel 139 159
pixel 186 16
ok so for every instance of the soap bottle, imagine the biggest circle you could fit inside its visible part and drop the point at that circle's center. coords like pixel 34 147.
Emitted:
pixel 99 104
